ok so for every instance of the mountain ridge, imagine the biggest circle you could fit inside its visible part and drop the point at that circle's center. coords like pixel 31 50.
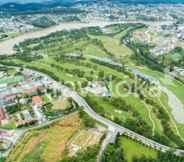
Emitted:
pixel 67 2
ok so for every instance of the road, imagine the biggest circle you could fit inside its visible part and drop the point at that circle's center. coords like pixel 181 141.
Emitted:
pixel 19 133
pixel 113 127
pixel 175 104
pixel 110 138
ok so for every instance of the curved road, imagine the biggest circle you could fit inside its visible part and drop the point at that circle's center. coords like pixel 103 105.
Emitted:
pixel 7 48
pixel 113 128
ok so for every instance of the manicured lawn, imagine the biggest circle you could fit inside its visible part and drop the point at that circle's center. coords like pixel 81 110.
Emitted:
pixel 113 45
pixel 110 111
pixel 94 50
pixel 46 98
pixel 133 149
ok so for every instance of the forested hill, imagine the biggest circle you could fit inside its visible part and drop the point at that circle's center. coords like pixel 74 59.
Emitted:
pixel 70 2
pixel 46 5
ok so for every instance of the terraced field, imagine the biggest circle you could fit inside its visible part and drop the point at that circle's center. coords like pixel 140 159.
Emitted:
pixel 50 143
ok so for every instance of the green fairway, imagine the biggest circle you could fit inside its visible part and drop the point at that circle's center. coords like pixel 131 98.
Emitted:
pixel 134 149
pixel 112 44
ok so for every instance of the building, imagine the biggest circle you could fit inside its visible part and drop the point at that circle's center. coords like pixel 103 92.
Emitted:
pixel 98 88
pixel 2 115
pixel 37 103
pixel 37 100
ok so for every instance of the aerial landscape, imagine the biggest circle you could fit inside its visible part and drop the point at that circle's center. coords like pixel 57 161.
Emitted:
pixel 92 81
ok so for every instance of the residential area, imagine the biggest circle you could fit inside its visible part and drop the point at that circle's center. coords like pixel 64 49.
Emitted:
pixel 28 99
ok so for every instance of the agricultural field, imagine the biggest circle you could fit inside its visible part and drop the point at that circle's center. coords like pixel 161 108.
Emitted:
pixel 75 58
pixel 63 137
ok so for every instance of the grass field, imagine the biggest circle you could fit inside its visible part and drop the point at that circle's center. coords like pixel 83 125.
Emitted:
pixel 133 149
pixel 61 104
pixel 10 80
pixel 50 143
pixel 112 44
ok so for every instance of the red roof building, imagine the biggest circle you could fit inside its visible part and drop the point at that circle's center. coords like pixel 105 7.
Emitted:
pixel 37 100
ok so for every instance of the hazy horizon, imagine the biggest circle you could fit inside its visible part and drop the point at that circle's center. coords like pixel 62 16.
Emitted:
pixel 69 1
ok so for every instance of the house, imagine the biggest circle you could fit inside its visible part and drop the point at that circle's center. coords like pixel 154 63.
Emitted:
pixel 20 123
pixel 27 115
pixel 37 100
pixel 2 115
pixel 5 144
pixel 98 88
pixel 37 103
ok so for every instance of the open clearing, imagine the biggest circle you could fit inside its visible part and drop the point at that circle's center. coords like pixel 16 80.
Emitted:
pixel 49 144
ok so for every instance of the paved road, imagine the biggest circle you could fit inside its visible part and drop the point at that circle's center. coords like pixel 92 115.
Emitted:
pixel 175 104
pixel 120 129
pixel 112 127
pixel 110 138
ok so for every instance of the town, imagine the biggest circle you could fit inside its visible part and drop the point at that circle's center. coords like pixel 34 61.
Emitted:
pixel 93 81
pixel 27 99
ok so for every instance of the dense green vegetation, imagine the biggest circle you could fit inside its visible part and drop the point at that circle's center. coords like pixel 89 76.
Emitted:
pixel 86 119
pixel 2 159
pixel 113 154
pixel 43 22
pixel 88 155
pixel 173 58
pixel 127 150
pixel 135 122
pixel 142 54
pixel 133 119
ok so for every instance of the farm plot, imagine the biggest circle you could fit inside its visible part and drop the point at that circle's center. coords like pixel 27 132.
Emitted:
pixel 84 138
pixel 49 143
